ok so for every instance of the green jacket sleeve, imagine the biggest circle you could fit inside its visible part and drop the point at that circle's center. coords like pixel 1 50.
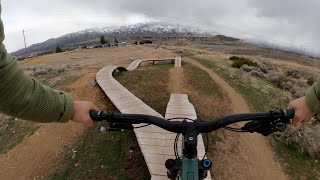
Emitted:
pixel 313 96
pixel 24 97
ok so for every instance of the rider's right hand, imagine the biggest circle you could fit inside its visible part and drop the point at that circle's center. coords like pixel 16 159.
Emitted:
pixel 303 112
pixel 81 112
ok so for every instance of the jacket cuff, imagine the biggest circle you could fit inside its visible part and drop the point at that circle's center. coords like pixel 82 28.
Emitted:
pixel 312 98
pixel 68 108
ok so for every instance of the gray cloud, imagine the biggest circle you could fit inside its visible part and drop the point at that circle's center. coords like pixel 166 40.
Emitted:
pixel 282 22
pixel 297 21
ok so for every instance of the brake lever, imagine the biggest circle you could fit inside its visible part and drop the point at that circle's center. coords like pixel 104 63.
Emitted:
pixel 277 122
pixel 265 127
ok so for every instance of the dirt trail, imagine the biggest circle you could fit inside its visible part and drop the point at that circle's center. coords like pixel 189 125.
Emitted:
pixel 241 155
pixel 37 155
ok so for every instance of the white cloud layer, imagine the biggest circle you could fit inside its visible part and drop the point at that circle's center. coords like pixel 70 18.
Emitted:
pixel 284 22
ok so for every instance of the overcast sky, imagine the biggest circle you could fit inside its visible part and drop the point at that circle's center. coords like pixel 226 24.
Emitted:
pixel 285 22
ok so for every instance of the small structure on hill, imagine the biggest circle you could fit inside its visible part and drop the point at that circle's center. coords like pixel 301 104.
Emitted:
pixel 146 41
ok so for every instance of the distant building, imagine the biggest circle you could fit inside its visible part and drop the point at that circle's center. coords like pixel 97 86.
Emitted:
pixel 146 41
pixel 123 44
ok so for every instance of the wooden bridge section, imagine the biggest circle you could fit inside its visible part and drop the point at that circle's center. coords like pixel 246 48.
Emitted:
pixel 155 143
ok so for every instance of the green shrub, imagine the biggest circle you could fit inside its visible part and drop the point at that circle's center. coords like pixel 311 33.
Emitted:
pixel 234 58
pixel 293 73
pixel 310 81
pixel 238 62
pixel 58 49
pixel 185 52
pixel 116 40
pixel 102 40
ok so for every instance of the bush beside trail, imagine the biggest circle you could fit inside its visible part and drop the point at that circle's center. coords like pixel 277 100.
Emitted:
pixel 44 69
pixel 306 138
pixel 294 81
pixel 238 62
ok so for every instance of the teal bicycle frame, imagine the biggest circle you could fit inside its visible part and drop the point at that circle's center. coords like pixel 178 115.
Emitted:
pixel 185 169
pixel 190 168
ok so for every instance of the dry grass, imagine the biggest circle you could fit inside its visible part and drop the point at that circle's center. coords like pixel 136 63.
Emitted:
pixel 252 88
pixel 150 84
pixel 207 97
pixel 303 60
pixel 13 131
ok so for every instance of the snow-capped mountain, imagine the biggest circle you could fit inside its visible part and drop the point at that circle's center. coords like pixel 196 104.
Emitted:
pixel 122 33
pixel 147 28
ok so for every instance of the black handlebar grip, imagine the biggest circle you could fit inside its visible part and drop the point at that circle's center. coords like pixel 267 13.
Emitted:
pixel 290 113
pixel 94 115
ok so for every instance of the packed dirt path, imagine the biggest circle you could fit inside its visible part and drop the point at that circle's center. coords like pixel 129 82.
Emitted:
pixel 241 155
pixel 27 162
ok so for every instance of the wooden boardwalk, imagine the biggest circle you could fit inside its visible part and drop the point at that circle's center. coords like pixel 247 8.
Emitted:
pixel 136 63
pixel 178 61
pixel 155 143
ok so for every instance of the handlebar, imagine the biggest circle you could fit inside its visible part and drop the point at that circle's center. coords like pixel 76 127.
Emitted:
pixel 171 126
pixel 262 122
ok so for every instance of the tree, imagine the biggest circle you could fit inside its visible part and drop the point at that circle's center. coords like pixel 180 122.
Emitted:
pixel 116 41
pixel 58 49
pixel 102 40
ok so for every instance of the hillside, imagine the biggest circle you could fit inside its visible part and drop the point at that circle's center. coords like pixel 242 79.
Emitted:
pixel 123 33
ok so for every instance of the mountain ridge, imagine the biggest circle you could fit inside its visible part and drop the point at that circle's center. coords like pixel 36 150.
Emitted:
pixel 90 36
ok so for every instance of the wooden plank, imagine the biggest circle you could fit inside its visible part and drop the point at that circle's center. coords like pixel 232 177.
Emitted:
pixel 179 106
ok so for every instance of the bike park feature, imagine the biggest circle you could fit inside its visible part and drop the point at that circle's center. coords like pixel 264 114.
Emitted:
pixel 155 143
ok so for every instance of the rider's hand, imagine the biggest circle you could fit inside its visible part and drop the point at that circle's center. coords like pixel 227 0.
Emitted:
pixel 303 112
pixel 81 112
